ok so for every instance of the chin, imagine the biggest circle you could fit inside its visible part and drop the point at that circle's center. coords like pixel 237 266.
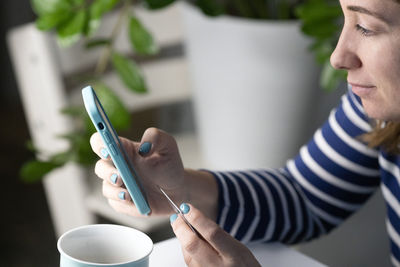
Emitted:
pixel 378 113
pixel 380 106
pixel 375 111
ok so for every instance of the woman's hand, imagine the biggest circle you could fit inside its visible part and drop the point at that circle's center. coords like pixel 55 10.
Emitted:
pixel 157 162
pixel 215 247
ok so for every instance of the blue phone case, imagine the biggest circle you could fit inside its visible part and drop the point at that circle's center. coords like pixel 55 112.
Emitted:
pixel 115 148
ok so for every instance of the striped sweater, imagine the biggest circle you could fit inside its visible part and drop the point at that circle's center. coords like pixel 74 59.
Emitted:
pixel 331 177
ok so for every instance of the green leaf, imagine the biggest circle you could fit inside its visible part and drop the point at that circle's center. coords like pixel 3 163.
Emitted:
pixel 210 7
pixel 31 147
pixel 61 158
pixel 70 31
pixel 284 10
pixel 74 111
pixel 322 50
pixel 321 19
pixel 51 13
pixel 41 7
pixel 72 137
pixel 97 42
pixel 331 78
pixel 129 73
pixel 320 30
pixel 51 20
pixel 34 170
pixel 82 151
pixel 68 40
pixel 157 4
pixel 115 109
pixel 99 7
pixel 243 8
pixel 141 40
pixel 73 26
pixel 313 11
pixel 89 127
pixel 96 11
pixel 77 2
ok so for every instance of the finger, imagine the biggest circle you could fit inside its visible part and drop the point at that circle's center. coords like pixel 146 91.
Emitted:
pixel 107 171
pixel 195 248
pixel 98 146
pixel 220 240
pixel 116 193
pixel 155 141
pixel 162 156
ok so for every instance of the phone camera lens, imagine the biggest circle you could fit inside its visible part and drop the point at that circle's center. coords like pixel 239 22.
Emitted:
pixel 101 125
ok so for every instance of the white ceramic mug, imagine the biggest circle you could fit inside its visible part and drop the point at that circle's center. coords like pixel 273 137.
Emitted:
pixel 104 245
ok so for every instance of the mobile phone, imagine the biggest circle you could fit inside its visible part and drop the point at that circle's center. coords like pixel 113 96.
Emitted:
pixel 116 150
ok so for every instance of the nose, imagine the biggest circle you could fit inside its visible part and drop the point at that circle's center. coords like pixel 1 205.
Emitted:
pixel 345 56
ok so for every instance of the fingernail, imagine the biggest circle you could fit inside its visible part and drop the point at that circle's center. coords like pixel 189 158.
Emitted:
pixel 144 148
pixel 104 152
pixel 184 208
pixel 114 178
pixel 121 195
pixel 173 217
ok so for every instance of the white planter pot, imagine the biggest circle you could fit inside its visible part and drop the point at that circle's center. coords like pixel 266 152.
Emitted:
pixel 253 83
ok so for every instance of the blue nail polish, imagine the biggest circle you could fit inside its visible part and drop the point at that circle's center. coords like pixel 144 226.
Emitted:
pixel 144 148
pixel 121 195
pixel 114 178
pixel 104 152
pixel 184 208
pixel 173 217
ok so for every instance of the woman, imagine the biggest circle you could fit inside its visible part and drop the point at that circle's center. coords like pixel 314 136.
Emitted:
pixel 353 153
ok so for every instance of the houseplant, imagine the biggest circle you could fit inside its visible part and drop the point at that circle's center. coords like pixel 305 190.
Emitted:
pixel 322 21
pixel 76 19
pixel 254 80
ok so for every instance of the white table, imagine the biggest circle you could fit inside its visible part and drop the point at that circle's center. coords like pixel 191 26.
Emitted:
pixel 168 253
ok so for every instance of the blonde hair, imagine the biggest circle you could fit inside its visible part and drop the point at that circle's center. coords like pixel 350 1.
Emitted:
pixel 385 135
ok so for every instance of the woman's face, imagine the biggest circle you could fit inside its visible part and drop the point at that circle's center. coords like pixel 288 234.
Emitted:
pixel 369 49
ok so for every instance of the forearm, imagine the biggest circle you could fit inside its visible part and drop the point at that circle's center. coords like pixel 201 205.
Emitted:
pixel 202 192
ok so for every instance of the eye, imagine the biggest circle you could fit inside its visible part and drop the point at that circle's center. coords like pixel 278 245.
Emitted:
pixel 363 30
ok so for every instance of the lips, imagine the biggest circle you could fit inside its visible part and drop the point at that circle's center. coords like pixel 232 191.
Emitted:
pixel 362 90
pixel 361 85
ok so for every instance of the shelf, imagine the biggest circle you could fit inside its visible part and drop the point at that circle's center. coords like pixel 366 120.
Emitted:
pixel 164 24
pixel 167 82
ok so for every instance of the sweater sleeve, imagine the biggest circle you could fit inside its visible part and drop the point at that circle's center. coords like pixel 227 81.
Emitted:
pixel 330 178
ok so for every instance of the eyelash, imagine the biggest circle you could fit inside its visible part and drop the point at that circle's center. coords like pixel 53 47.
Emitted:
pixel 363 31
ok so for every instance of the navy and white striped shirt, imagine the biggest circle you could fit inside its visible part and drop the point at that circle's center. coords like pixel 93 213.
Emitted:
pixel 332 177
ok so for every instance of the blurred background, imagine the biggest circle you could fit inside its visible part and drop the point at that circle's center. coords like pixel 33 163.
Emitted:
pixel 27 234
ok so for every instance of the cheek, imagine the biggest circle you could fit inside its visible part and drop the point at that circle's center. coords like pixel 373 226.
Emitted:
pixel 388 83
pixel 383 64
pixel 379 62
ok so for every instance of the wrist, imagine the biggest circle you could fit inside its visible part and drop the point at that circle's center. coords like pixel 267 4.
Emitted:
pixel 202 191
